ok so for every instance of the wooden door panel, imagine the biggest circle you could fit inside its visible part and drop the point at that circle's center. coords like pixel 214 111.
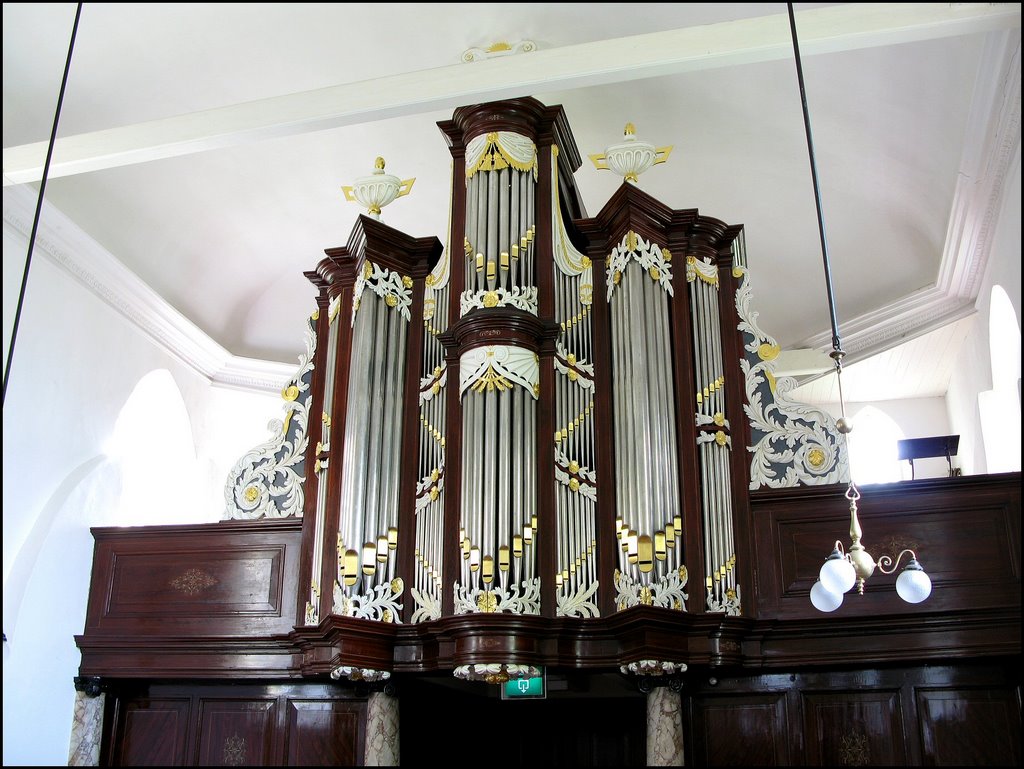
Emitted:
pixel 853 728
pixel 962 726
pixel 741 730
pixel 152 732
pixel 324 733
pixel 236 733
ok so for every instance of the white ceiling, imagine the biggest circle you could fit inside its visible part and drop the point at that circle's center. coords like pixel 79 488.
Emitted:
pixel 220 205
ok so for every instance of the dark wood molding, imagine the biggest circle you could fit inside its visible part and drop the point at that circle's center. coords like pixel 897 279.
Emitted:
pixel 237 622
pixel 499 326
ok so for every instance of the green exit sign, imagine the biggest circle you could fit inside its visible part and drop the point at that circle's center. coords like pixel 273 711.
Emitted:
pixel 524 689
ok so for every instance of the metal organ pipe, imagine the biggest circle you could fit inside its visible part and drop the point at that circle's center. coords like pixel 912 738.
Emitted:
pixel 369 499
pixel 313 605
pixel 356 426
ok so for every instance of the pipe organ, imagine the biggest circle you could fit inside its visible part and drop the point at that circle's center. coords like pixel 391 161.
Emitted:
pixel 556 442
pixel 544 417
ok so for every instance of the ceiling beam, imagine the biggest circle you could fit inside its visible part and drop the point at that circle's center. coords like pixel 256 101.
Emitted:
pixel 764 38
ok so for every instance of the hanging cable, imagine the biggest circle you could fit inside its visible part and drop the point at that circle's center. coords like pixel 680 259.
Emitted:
pixel 837 346
pixel 39 206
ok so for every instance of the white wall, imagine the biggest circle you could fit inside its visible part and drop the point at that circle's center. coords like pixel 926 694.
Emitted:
pixel 973 371
pixel 917 418
pixel 77 361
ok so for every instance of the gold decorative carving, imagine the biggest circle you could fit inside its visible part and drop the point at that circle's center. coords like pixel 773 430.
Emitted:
pixel 251 494
pixel 853 750
pixel 487 602
pixel 816 458
pixel 193 582
pixel 234 751
pixel 490 380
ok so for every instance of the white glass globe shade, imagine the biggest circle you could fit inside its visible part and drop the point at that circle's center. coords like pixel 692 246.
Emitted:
pixel 913 585
pixel 837 575
pixel 825 600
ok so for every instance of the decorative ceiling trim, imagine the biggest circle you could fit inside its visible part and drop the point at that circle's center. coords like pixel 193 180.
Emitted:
pixel 991 141
pixel 843 27
pixel 66 245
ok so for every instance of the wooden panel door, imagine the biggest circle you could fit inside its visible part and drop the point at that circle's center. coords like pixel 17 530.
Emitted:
pixel 969 726
pixel 152 732
pixel 237 732
pixel 741 730
pixel 324 732
pixel 853 728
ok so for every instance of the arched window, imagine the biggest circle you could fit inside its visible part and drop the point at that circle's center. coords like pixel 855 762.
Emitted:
pixel 873 452
pixel 999 408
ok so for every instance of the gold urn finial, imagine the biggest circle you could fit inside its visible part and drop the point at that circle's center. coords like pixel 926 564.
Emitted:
pixel 378 189
pixel 630 157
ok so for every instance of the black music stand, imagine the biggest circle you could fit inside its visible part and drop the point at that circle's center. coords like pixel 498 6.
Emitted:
pixel 924 448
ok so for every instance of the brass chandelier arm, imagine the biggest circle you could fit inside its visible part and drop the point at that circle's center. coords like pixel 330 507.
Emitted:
pixel 888 565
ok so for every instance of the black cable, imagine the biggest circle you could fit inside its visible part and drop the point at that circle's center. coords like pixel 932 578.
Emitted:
pixel 836 344
pixel 39 206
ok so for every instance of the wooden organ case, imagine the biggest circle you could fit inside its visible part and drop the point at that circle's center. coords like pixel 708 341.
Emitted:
pixel 556 444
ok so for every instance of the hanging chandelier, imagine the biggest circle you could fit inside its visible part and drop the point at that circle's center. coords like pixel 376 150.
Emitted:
pixel 844 569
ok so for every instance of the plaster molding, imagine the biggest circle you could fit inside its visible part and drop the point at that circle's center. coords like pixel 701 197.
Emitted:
pixel 67 246
pixel 848 26
pixel 992 138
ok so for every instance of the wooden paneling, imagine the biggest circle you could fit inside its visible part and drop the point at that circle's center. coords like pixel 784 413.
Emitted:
pixel 197 724
pixel 152 732
pixel 965 531
pixel 854 728
pixel 324 733
pixel 237 732
pixel 235 578
pixel 741 730
pixel 967 714
pixel 969 726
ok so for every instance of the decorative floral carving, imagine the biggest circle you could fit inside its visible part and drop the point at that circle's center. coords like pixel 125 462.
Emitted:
pixel 647 254
pixel 234 751
pixel 520 298
pixel 499 599
pixel 267 481
pixel 668 592
pixel 578 604
pixel 853 750
pixel 496 672
pixel 730 603
pixel 394 289
pixel 428 607
pixel 653 668
pixel 369 675
pixel 193 582
pixel 793 443
pixel 380 604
